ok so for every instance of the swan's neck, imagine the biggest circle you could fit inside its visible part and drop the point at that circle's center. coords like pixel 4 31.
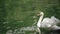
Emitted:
pixel 40 19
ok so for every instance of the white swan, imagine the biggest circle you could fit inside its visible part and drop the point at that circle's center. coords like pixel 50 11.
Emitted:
pixel 50 23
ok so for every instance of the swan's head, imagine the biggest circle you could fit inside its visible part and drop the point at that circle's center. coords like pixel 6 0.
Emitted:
pixel 40 14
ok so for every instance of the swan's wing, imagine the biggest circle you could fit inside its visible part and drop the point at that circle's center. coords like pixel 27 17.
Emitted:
pixel 54 18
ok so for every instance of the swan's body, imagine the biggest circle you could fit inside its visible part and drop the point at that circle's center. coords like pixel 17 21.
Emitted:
pixel 44 23
pixel 47 22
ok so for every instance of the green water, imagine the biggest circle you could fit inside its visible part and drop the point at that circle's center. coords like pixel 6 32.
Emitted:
pixel 19 13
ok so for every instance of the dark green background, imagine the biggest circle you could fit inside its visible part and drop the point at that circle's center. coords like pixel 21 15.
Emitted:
pixel 14 11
